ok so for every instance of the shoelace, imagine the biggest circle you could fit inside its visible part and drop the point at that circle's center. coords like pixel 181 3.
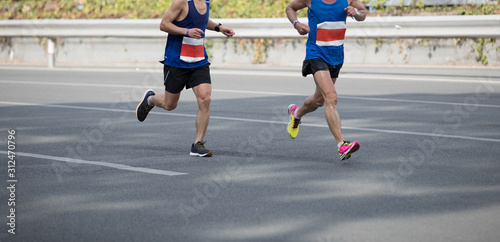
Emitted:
pixel 345 143
pixel 296 123
pixel 201 145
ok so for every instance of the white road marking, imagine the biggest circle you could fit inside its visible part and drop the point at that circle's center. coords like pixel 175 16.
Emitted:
pixel 265 72
pixel 76 84
pixel 370 76
pixel 246 92
pixel 419 101
pixel 263 121
pixel 100 163
pixel 416 79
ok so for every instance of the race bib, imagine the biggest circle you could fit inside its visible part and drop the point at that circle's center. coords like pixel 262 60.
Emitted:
pixel 330 33
pixel 192 50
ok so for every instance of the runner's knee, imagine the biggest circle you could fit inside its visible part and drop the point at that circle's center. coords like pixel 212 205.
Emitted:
pixel 318 101
pixel 331 99
pixel 169 106
pixel 204 101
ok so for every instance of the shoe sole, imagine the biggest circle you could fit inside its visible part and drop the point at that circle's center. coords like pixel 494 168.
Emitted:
pixel 143 97
pixel 209 154
pixel 348 153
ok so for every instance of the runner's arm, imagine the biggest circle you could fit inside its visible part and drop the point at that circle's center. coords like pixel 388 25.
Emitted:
pixel 291 13
pixel 224 30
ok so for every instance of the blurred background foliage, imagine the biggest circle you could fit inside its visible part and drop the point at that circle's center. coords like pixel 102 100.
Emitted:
pixel 151 9
pixel 133 9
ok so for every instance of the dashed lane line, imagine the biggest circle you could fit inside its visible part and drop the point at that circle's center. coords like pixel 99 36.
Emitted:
pixel 99 163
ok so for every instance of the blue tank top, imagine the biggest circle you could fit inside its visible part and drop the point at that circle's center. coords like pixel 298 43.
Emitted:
pixel 327 24
pixel 182 51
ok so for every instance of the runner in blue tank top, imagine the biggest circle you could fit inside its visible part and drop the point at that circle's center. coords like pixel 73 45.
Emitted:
pixel 186 65
pixel 324 58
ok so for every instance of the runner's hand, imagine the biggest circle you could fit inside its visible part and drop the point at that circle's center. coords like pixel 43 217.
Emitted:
pixel 195 33
pixel 227 31
pixel 351 12
pixel 301 28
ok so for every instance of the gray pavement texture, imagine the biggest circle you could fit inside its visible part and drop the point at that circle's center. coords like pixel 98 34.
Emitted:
pixel 86 170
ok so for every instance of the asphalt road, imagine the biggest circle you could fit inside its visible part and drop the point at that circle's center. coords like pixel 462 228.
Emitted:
pixel 86 170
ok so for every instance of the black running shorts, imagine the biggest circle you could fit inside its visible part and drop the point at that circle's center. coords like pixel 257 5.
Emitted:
pixel 314 65
pixel 175 79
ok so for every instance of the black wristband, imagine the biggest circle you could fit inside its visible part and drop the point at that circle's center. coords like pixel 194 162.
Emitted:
pixel 217 28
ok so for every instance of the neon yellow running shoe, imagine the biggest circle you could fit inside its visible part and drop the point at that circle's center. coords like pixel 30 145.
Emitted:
pixel 293 125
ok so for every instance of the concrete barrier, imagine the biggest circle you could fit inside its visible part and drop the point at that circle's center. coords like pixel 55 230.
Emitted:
pixel 435 40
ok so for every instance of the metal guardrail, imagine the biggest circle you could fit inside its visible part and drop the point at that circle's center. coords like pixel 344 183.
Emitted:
pixel 484 26
pixel 487 26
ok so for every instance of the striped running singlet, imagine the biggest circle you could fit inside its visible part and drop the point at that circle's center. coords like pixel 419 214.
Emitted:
pixel 182 51
pixel 327 24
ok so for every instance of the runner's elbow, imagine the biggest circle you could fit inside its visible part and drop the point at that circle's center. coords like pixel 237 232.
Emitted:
pixel 164 26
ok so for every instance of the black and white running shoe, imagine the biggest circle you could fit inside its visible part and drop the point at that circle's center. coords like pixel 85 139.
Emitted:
pixel 199 149
pixel 143 108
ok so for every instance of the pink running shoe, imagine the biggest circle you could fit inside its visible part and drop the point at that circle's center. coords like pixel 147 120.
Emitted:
pixel 347 148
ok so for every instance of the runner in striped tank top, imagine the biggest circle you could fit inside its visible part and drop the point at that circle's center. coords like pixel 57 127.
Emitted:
pixel 324 58
pixel 186 65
